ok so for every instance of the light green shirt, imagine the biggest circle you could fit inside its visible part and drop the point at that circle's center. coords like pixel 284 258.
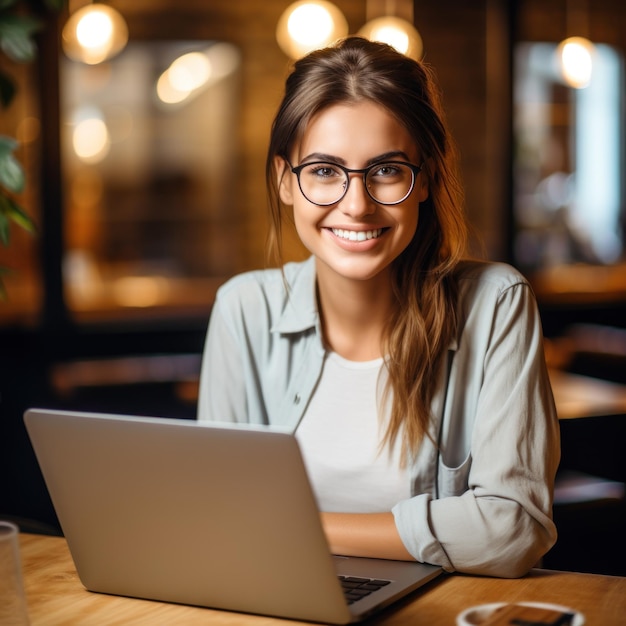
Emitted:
pixel 482 498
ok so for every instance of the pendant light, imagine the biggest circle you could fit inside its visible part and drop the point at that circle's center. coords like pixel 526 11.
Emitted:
pixel 575 53
pixel 391 22
pixel 94 33
pixel 311 24
pixel 308 25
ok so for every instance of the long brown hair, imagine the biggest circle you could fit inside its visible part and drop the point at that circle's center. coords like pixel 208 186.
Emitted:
pixel 418 335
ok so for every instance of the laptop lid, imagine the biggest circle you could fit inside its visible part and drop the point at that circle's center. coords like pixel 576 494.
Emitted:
pixel 208 515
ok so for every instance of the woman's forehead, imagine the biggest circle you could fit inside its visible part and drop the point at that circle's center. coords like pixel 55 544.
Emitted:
pixel 359 129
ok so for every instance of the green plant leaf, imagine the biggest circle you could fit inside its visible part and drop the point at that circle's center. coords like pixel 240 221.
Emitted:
pixel 17 214
pixel 10 211
pixel 17 42
pixel 7 145
pixel 11 172
pixel 16 37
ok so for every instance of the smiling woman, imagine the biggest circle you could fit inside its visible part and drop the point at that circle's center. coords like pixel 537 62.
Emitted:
pixel 388 353
pixel 333 201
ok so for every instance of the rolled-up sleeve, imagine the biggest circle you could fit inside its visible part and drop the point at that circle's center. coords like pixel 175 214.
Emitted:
pixel 495 517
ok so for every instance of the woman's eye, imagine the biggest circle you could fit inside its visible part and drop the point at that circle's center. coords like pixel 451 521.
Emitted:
pixel 323 171
pixel 386 170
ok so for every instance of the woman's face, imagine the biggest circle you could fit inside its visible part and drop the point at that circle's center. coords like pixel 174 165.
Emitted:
pixel 355 238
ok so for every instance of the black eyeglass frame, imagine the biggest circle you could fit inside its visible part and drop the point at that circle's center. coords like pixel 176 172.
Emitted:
pixel 415 171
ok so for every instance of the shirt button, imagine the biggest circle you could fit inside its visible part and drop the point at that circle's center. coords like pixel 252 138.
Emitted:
pixel 296 399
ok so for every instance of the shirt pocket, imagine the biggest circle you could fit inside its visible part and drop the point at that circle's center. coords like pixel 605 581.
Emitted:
pixel 453 481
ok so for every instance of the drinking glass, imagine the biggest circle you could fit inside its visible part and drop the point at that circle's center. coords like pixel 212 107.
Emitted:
pixel 13 610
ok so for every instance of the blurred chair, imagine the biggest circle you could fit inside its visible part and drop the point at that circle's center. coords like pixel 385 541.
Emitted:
pixel 590 502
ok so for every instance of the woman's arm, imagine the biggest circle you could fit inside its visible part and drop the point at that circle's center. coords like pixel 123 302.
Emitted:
pixel 501 524
pixel 222 392
pixel 371 535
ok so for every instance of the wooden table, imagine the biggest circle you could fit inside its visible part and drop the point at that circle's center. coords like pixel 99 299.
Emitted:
pixel 55 596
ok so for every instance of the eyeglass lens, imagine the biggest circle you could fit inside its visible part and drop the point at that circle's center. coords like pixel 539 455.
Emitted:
pixel 326 183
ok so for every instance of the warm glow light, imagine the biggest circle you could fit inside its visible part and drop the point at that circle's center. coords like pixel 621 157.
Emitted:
pixel 190 71
pixel 90 138
pixel 308 25
pixel 94 30
pixel 575 56
pixel 186 74
pixel 393 36
pixel 167 92
pixel 396 32
pixel 193 71
pixel 94 34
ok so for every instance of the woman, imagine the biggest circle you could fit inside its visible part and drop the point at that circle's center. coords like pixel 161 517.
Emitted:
pixel 414 380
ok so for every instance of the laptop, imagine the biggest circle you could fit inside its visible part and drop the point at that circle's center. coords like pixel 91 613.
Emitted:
pixel 208 515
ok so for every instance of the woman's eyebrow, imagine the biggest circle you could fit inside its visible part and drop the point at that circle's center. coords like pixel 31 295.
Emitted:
pixel 389 155
pixel 329 158
pixel 321 156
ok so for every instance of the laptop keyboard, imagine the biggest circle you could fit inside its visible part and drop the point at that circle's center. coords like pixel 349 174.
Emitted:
pixel 356 588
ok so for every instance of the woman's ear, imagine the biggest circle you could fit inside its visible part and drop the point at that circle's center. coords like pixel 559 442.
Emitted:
pixel 284 181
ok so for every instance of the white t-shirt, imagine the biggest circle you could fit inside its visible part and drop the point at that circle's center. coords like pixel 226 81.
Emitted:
pixel 340 437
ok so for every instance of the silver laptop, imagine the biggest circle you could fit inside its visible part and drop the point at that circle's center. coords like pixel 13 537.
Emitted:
pixel 208 515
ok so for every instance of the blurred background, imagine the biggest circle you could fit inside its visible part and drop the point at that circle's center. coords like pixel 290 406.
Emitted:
pixel 144 163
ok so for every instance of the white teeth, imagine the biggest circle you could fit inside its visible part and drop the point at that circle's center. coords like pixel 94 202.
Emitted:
pixel 360 235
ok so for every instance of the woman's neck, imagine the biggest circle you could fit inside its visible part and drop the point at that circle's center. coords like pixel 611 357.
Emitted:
pixel 354 315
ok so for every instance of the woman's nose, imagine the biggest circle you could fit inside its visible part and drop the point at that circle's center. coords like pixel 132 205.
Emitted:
pixel 357 201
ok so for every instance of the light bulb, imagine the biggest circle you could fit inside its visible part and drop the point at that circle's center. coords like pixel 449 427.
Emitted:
pixel 396 32
pixel 575 58
pixel 94 34
pixel 308 25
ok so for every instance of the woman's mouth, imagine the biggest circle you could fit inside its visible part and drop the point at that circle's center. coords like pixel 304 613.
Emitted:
pixel 357 235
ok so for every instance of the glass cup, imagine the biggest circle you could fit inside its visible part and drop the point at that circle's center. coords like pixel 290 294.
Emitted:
pixel 13 610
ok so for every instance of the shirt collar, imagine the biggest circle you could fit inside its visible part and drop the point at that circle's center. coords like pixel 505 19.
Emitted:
pixel 300 308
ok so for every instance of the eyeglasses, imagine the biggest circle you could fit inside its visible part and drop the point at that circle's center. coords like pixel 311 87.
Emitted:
pixel 323 183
